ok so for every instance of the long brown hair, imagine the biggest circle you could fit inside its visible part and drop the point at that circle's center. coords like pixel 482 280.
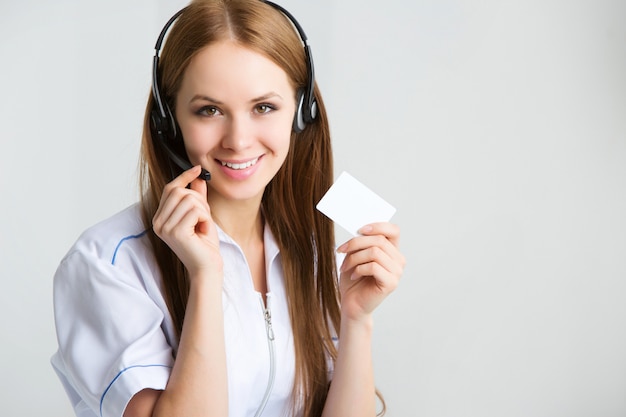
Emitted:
pixel 305 237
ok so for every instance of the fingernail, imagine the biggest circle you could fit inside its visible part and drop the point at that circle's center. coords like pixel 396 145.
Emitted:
pixel 365 229
pixel 342 248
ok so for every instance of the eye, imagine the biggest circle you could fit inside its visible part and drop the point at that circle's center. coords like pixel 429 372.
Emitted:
pixel 264 108
pixel 208 111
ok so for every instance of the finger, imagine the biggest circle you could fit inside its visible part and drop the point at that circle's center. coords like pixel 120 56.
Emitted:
pixel 180 201
pixel 369 254
pixel 392 263
pixel 187 176
pixel 168 206
pixel 364 242
pixel 177 189
pixel 199 188
pixel 184 224
pixel 198 185
pixel 378 248
pixel 187 208
pixel 389 230
pixel 385 280
pixel 181 181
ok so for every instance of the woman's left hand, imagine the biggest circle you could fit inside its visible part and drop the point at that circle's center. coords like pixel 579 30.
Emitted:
pixel 371 269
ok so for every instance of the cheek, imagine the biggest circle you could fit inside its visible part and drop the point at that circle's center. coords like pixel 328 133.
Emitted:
pixel 197 140
pixel 281 136
pixel 286 125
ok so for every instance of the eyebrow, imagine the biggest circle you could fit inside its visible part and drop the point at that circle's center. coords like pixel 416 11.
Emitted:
pixel 266 96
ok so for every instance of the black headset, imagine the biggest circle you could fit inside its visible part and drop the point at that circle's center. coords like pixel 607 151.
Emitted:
pixel 163 125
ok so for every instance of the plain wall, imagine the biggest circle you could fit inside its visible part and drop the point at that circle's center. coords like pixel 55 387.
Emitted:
pixel 497 129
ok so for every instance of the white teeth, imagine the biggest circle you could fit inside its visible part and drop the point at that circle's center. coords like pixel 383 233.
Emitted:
pixel 242 165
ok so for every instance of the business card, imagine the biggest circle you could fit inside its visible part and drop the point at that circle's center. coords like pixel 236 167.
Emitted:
pixel 351 205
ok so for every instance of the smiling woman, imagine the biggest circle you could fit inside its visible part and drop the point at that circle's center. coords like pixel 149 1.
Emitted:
pixel 222 297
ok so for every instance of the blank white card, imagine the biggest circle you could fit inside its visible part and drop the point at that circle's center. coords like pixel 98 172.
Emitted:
pixel 352 205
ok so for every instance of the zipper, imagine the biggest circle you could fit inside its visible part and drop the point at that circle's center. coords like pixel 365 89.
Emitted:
pixel 267 314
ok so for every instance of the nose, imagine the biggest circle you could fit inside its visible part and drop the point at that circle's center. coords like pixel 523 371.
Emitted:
pixel 238 134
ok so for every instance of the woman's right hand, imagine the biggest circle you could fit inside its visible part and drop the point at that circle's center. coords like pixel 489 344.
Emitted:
pixel 183 221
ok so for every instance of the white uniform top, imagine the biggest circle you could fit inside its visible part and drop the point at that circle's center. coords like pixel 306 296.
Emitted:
pixel 116 336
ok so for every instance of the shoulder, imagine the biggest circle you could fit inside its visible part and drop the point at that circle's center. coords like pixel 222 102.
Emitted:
pixel 119 242
pixel 105 239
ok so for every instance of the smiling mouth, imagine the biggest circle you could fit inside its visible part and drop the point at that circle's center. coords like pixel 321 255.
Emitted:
pixel 242 165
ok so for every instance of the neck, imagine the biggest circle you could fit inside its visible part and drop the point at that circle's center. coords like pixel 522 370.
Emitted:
pixel 242 221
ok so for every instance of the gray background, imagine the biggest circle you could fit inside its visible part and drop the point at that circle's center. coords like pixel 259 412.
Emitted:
pixel 497 128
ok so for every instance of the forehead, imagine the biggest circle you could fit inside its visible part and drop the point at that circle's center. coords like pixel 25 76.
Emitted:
pixel 227 66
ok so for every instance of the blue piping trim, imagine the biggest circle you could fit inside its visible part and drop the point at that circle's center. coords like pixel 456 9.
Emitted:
pixel 120 374
pixel 122 241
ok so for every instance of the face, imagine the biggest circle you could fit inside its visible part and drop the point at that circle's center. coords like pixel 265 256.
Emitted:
pixel 235 109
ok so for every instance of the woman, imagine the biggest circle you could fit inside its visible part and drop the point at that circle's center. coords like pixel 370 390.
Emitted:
pixel 221 297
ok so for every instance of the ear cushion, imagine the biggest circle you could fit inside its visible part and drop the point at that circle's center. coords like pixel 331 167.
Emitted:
pixel 162 128
pixel 298 120
pixel 313 112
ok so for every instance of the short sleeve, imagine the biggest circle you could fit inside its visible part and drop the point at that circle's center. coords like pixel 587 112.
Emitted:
pixel 111 341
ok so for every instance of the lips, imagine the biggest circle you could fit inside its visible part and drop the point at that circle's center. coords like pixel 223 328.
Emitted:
pixel 240 165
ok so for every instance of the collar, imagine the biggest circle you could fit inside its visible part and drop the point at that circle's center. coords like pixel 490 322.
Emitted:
pixel 270 245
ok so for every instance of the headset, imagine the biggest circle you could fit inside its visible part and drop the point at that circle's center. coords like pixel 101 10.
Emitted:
pixel 163 124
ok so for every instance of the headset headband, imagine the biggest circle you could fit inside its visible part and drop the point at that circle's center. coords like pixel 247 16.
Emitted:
pixel 155 63
pixel 309 106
